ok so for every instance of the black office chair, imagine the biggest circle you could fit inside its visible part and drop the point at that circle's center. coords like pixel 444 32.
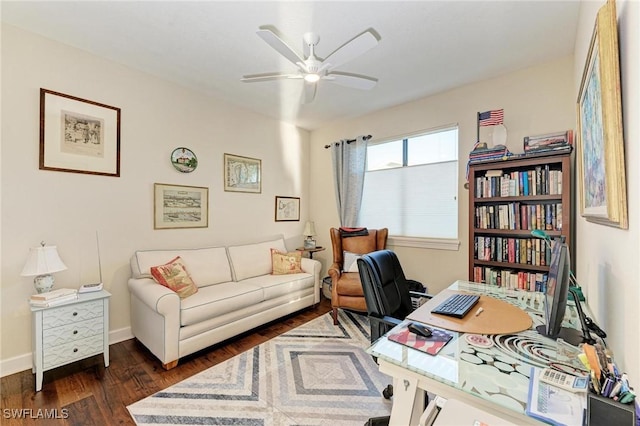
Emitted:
pixel 386 290
pixel 387 294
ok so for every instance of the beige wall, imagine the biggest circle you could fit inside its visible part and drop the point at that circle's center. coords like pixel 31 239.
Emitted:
pixel 608 259
pixel 535 100
pixel 66 209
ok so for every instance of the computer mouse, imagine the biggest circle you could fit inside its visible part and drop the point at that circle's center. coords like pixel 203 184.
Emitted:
pixel 419 329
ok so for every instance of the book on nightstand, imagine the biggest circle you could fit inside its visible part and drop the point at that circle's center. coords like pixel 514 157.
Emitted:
pixel 53 294
pixel 54 297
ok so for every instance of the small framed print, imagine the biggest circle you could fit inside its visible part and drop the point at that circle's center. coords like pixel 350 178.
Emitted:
pixel 287 209
pixel 184 160
pixel 179 206
pixel 78 135
pixel 242 174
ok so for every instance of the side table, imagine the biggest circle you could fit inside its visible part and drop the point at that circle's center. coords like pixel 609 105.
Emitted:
pixel 310 251
pixel 69 332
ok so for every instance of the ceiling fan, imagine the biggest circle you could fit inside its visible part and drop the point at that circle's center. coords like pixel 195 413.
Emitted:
pixel 312 69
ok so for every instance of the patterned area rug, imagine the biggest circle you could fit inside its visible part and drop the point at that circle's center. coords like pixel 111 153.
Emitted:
pixel 315 374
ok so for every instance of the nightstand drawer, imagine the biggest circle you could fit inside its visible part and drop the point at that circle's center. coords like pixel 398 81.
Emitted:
pixel 55 317
pixel 72 332
pixel 63 354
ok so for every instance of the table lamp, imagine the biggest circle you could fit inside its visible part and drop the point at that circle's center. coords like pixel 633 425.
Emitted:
pixel 41 263
pixel 309 232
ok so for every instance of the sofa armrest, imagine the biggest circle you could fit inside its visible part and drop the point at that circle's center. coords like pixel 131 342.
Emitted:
pixel 155 318
pixel 313 267
pixel 157 297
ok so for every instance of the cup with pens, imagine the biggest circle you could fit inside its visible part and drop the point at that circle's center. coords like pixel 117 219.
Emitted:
pixel 606 379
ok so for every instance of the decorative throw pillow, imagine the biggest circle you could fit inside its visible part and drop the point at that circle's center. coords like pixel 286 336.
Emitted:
pixel 349 264
pixel 285 263
pixel 174 275
pixel 354 266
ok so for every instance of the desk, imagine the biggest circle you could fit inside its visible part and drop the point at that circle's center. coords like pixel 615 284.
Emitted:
pixel 494 379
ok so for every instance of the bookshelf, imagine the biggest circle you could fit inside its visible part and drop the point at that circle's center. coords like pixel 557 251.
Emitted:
pixel 507 200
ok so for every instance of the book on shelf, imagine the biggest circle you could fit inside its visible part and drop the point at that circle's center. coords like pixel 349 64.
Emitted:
pixel 55 301
pixel 493 173
pixel 53 294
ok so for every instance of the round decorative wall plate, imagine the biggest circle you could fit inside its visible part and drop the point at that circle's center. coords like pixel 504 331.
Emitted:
pixel 184 160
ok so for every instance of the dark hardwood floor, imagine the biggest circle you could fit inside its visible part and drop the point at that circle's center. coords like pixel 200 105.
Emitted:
pixel 86 393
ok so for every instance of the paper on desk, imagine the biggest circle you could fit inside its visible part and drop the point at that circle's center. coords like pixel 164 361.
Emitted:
pixel 552 404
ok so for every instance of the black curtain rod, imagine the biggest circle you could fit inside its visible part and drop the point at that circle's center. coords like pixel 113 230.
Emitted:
pixel 366 138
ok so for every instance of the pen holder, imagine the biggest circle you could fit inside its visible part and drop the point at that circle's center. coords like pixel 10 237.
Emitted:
pixel 606 411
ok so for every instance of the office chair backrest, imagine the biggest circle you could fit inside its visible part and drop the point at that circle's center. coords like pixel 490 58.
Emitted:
pixel 385 287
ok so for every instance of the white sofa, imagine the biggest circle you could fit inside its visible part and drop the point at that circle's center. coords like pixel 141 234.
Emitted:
pixel 236 293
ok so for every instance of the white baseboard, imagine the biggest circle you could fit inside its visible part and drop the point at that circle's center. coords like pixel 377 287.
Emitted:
pixel 25 361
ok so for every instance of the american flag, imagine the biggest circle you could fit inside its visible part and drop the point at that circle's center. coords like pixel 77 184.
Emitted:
pixel 491 118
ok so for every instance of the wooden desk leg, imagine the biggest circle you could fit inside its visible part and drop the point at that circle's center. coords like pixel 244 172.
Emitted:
pixel 408 402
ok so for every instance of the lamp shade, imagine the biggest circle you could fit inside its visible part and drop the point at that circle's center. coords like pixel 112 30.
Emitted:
pixel 309 229
pixel 43 260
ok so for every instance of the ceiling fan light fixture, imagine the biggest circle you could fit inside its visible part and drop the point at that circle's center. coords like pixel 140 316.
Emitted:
pixel 311 78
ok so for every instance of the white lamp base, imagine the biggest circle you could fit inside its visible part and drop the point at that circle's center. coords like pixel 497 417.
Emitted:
pixel 43 283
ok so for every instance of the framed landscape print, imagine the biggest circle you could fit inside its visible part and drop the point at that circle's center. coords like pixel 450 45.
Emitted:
pixel 601 165
pixel 78 135
pixel 179 206
pixel 242 174
pixel 287 209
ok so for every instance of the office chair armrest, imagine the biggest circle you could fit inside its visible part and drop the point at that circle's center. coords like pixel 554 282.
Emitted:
pixel 385 320
pixel 419 294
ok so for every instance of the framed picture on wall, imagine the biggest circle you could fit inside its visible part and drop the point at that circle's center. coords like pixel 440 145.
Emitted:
pixel 287 209
pixel 242 174
pixel 601 166
pixel 179 206
pixel 78 135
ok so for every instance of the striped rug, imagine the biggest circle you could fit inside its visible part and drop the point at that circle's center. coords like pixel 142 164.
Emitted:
pixel 316 374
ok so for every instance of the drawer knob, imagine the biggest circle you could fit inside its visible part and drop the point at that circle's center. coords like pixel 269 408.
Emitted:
pixel 75 331
pixel 75 314
pixel 75 349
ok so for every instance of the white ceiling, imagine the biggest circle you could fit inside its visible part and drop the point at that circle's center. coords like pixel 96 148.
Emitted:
pixel 425 47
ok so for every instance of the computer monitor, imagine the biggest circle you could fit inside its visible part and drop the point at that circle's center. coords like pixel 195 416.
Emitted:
pixel 556 295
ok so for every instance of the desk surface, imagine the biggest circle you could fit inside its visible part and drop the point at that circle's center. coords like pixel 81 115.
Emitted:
pixel 498 374
pixel 497 316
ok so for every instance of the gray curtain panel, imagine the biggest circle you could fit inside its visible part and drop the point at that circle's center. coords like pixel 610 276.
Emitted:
pixel 349 163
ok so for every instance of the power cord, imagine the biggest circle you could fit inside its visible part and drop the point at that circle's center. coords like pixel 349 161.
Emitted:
pixel 594 327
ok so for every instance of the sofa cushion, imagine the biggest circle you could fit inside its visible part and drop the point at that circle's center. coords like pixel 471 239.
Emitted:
pixel 285 263
pixel 205 265
pixel 216 300
pixel 252 260
pixel 174 275
pixel 279 285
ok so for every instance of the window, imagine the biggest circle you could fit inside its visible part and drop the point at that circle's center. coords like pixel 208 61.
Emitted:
pixel 411 185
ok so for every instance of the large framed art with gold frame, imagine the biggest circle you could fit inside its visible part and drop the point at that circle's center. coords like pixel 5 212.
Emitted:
pixel 601 164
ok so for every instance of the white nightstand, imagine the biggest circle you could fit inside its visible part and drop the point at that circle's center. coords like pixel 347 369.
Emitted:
pixel 70 332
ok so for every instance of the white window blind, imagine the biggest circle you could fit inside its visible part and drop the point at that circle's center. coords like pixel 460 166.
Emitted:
pixel 415 201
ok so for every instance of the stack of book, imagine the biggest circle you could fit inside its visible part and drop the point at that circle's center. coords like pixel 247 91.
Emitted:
pixel 54 297
pixel 482 153
pixel 556 143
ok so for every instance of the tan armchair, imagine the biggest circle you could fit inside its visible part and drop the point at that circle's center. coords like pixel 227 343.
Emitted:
pixel 346 289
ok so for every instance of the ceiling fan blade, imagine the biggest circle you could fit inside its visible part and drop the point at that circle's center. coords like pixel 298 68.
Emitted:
pixel 309 92
pixel 278 44
pixel 351 49
pixel 252 78
pixel 355 81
